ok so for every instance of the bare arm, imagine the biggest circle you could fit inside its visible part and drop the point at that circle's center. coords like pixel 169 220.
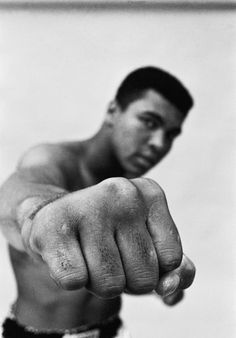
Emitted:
pixel 117 235
pixel 40 178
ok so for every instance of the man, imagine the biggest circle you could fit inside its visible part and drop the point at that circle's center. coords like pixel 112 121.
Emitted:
pixel 83 228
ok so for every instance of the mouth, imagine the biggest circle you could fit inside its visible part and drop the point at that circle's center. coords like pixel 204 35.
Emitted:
pixel 146 162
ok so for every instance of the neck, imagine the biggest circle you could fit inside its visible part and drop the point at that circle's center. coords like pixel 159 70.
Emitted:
pixel 99 160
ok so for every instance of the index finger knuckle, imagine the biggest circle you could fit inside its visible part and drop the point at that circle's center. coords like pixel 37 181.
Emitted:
pixel 121 190
pixel 150 188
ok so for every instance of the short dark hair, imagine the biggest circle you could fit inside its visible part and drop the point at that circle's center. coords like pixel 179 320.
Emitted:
pixel 157 79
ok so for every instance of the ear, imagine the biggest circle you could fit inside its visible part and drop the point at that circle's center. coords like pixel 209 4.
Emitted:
pixel 111 113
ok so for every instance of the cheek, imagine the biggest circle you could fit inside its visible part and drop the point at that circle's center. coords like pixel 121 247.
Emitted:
pixel 133 138
pixel 130 137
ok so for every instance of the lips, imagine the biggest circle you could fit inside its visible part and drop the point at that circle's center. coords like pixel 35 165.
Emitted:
pixel 145 161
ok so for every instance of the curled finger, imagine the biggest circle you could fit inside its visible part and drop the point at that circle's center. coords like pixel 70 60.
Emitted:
pixel 178 279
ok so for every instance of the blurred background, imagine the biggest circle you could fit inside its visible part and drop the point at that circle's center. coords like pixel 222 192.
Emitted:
pixel 60 65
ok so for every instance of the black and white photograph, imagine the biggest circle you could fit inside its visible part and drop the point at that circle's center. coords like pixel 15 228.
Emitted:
pixel 117 169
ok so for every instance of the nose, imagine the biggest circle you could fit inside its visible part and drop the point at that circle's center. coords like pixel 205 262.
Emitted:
pixel 158 141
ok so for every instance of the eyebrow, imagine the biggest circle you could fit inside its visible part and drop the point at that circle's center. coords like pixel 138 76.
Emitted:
pixel 155 116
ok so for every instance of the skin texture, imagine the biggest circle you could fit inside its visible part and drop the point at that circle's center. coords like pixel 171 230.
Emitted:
pixel 83 228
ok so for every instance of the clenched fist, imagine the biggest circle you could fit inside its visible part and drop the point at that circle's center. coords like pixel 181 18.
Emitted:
pixel 113 237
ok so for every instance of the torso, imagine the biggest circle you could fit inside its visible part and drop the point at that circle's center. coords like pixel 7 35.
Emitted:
pixel 43 305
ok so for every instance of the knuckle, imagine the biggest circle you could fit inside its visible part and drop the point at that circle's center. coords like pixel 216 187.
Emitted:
pixel 144 283
pixel 70 280
pixel 153 189
pixel 32 238
pixel 68 273
pixel 109 287
pixel 121 185
pixel 122 189
pixel 158 191
pixel 148 181
pixel 170 259
pixel 153 184
pixel 114 184
pixel 65 229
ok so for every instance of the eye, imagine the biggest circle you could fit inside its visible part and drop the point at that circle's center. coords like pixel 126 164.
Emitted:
pixel 149 122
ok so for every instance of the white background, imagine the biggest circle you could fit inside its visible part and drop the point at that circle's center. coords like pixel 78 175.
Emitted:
pixel 58 71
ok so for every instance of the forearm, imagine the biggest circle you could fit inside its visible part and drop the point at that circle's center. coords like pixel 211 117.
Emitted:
pixel 114 236
pixel 21 199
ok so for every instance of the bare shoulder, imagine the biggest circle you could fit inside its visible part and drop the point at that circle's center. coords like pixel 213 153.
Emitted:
pixel 49 153
pixel 59 161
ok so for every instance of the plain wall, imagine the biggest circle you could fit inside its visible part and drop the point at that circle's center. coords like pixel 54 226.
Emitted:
pixel 58 71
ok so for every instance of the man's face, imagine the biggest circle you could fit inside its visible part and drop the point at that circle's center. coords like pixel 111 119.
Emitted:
pixel 144 132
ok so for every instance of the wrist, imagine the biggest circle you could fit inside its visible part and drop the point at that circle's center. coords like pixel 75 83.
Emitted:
pixel 28 209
